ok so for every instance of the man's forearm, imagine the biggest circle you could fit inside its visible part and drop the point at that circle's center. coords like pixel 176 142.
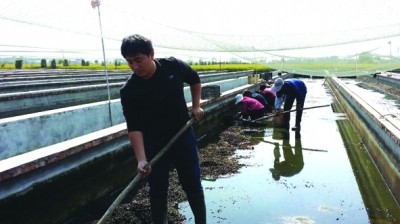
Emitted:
pixel 195 90
pixel 136 139
pixel 278 103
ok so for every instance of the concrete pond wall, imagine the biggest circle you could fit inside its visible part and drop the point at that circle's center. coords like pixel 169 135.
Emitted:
pixel 20 103
pixel 381 135
pixel 50 184
pixel 82 169
pixel 29 132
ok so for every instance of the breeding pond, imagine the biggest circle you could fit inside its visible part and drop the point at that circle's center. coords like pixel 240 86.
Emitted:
pixel 322 175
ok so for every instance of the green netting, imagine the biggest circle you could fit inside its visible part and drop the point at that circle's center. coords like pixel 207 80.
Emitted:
pixel 319 38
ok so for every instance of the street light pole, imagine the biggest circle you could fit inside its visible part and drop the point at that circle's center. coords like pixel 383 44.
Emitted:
pixel 96 3
pixel 255 65
pixel 390 46
pixel 356 60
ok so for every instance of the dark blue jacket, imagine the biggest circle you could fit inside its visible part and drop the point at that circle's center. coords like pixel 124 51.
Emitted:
pixel 260 99
pixel 292 88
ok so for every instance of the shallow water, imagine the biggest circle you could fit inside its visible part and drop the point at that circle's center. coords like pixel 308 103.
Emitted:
pixel 316 184
pixel 382 103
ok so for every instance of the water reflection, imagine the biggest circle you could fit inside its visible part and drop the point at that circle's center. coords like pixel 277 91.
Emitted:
pixel 292 162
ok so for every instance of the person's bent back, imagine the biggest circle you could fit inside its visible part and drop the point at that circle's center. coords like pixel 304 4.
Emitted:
pixel 250 107
pixel 269 96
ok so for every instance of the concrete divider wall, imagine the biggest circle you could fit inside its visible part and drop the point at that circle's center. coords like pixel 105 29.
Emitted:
pixel 224 85
pixel 29 132
pixel 385 80
pixel 46 84
pixel 104 165
pixel 56 78
pixel 15 104
pixel 224 75
pixel 11 74
pixel 42 85
pixel 381 137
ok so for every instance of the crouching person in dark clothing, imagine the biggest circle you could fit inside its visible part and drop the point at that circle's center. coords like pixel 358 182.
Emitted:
pixel 155 110
pixel 259 98
pixel 292 89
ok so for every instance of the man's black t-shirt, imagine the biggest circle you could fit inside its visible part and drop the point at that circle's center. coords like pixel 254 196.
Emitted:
pixel 157 106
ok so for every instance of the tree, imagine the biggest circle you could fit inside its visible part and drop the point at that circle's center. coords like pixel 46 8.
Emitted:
pixel 234 61
pixel 116 63
pixel 43 63
pixel 53 64
pixel 18 64
pixel 365 57
pixel 83 63
pixel 87 63
pixel 66 62
pixel 60 61
pixel 190 60
pixel 96 61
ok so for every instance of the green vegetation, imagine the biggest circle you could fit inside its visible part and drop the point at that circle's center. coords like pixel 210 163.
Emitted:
pixel 289 67
pixel 69 66
pixel 323 66
pixel 232 67
pixel 43 63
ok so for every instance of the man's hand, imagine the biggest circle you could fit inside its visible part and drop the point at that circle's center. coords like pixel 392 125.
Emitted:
pixel 197 113
pixel 144 171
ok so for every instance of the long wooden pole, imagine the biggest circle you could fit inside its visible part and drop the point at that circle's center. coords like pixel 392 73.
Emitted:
pixel 288 111
pixel 139 175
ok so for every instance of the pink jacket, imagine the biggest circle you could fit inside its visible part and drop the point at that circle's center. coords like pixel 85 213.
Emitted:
pixel 249 104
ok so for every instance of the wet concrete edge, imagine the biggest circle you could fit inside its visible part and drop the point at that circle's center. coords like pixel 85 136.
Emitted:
pixel 385 162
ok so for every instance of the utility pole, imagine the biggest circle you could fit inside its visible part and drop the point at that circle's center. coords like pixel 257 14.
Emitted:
pixel 63 61
pixel 255 65
pixel 220 62
pixel 96 3
pixel 356 60
pixel 390 46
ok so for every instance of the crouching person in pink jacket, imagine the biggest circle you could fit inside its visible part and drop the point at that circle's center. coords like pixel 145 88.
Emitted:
pixel 250 107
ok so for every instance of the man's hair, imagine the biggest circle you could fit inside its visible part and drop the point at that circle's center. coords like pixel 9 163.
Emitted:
pixel 136 44
pixel 247 93
pixel 262 87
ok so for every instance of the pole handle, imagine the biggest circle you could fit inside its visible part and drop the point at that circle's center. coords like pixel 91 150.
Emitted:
pixel 138 177
pixel 288 111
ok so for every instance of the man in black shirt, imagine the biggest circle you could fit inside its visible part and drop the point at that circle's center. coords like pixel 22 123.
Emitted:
pixel 155 110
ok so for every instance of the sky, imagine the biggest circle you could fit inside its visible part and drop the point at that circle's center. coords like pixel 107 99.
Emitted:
pixel 184 28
